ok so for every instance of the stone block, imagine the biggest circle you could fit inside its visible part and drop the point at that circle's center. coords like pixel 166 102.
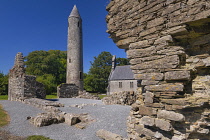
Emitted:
pixel 170 115
pixel 150 76
pixel 149 82
pixel 148 97
pixel 140 129
pixel 135 107
pixel 45 119
pixel 146 120
pixel 177 75
pixel 163 124
pixel 182 102
pixel 206 61
pixel 143 110
pixel 178 138
pixel 168 62
pixel 163 40
pixel 140 53
pixel 166 87
pixel 106 135
pixel 177 30
pixel 123 44
pixel 71 119
pixel 155 22
pixel 140 44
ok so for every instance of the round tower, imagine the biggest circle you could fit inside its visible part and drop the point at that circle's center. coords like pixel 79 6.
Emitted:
pixel 75 50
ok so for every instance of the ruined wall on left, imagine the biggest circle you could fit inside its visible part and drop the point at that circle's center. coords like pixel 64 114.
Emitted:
pixel 22 85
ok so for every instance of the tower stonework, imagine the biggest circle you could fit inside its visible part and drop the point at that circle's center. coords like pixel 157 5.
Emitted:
pixel 75 50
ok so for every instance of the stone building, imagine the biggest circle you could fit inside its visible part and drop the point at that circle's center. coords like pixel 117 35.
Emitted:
pixel 121 79
pixel 22 85
pixel 74 73
pixel 168 42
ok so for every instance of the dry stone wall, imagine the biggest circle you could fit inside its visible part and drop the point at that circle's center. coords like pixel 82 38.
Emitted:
pixel 168 42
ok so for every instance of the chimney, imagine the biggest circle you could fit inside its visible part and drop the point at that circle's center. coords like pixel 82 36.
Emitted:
pixel 113 62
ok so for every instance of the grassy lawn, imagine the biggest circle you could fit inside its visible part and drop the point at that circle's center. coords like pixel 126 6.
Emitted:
pixel 100 95
pixel 37 137
pixel 3 97
pixel 4 118
pixel 52 96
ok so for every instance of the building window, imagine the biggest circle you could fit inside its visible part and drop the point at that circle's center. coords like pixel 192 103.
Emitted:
pixel 78 24
pixel 69 60
pixel 120 84
pixel 131 84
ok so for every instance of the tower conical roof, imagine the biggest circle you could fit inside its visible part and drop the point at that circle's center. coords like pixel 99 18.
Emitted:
pixel 74 12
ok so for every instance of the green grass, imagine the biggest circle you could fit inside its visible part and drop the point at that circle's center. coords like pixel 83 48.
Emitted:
pixel 37 137
pixel 3 97
pixel 52 96
pixel 99 95
pixel 102 96
pixel 4 118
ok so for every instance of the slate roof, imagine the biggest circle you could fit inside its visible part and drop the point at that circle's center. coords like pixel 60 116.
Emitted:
pixel 122 73
pixel 74 12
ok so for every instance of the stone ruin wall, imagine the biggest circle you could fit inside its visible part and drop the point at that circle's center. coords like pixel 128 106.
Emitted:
pixel 22 85
pixel 168 42
pixel 67 91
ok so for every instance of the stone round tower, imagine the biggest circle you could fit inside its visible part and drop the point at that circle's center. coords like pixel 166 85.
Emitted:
pixel 75 50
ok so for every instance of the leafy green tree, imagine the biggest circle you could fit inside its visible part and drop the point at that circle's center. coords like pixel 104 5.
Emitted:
pixel 97 78
pixel 49 82
pixel 122 61
pixel 48 66
pixel 3 84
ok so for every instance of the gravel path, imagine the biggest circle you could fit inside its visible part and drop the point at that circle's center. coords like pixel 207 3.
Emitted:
pixel 108 117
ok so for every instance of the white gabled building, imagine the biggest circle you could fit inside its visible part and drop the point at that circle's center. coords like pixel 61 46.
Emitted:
pixel 121 78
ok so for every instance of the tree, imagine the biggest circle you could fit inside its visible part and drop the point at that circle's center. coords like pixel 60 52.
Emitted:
pixel 48 66
pixel 122 61
pixel 3 84
pixel 49 82
pixel 97 78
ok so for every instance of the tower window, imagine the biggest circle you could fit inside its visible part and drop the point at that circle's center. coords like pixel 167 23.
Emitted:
pixel 80 75
pixel 78 24
pixel 69 60
pixel 120 84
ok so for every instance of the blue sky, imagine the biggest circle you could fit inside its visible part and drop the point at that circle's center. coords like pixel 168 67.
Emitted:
pixel 29 25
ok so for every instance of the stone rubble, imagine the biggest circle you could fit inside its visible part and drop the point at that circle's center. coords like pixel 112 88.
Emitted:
pixel 122 98
pixel 86 95
pixel 83 105
pixel 53 115
pixel 167 42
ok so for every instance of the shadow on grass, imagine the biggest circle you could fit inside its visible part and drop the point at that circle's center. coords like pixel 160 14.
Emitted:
pixel 52 100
